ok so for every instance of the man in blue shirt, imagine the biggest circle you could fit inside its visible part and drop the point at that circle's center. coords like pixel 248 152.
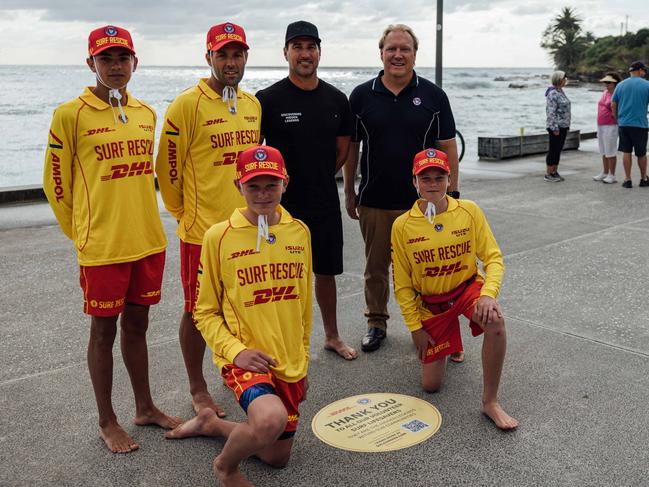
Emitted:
pixel 629 105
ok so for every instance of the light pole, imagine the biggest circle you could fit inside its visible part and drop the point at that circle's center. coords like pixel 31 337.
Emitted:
pixel 438 51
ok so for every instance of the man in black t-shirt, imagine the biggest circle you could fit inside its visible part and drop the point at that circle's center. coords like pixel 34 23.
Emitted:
pixel 311 124
pixel 398 114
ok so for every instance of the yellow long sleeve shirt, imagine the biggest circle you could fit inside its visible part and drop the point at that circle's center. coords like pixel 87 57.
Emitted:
pixel 199 146
pixel 435 259
pixel 98 178
pixel 257 300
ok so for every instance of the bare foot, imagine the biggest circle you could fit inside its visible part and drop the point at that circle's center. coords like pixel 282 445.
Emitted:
pixel 201 425
pixel 230 478
pixel 497 414
pixel 457 357
pixel 337 345
pixel 157 417
pixel 117 440
pixel 202 400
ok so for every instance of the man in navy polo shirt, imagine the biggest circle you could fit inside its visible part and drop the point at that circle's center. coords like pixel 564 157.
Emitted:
pixel 398 114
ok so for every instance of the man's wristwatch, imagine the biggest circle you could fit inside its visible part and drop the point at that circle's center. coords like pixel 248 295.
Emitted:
pixel 454 194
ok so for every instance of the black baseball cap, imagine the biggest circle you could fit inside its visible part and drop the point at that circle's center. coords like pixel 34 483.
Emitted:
pixel 637 65
pixel 301 28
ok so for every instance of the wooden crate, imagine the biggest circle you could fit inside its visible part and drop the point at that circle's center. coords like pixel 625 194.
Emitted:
pixel 497 148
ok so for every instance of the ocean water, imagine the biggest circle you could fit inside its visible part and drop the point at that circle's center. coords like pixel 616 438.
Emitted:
pixel 483 100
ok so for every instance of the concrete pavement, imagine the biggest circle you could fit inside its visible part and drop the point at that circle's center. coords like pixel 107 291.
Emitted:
pixel 574 297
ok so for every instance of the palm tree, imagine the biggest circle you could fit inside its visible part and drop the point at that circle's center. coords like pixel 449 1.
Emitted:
pixel 566 41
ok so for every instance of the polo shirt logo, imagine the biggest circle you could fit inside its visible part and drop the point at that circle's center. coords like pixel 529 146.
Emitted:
pixel 416 101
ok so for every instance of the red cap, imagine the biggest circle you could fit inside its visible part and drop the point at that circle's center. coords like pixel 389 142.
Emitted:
pixel 260 160
pixel 430 158
pixel 109 36
pixel 222 34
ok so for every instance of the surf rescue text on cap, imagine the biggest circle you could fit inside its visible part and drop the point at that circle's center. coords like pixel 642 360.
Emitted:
pixel 430 158
pixel 109 36
pixel 223 34
pixel 258 161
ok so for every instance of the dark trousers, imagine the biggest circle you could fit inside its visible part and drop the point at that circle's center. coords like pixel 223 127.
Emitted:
pixel 556 145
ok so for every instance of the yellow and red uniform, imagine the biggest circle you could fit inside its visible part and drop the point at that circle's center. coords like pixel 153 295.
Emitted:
pixel 198 149
pixel 432 260
pixel 98 179
pixel 257 300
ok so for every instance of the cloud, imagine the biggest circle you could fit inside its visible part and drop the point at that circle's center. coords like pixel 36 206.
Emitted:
pixel 476 32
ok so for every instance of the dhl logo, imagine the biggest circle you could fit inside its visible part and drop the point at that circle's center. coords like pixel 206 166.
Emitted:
pixel 120 171
pixel 263 296
pixel 214 121
pixel 241 253
pixel 100 130
pixel 228 158
pixel 444 270
pixel 417 239
pixel 150 294
pixel 338 411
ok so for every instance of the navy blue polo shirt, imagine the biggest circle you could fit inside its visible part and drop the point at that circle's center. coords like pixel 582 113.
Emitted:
pixel 392 130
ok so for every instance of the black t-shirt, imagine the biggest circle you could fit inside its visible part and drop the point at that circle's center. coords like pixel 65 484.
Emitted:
pixel 392 130
pixel 304 125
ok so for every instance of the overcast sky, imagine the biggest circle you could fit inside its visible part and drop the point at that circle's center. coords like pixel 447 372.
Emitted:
pixel 477 33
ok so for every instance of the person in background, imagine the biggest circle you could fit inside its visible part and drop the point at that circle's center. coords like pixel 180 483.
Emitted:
pixel 607 130
pixel 557 110
pixel 629 106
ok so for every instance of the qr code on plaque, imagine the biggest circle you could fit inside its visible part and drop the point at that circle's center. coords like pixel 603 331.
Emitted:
pixel 414 426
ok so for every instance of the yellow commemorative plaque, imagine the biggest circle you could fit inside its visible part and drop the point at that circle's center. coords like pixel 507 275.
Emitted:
pixel 376 422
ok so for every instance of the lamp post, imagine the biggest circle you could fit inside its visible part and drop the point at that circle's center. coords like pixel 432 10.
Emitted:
pixel 438 51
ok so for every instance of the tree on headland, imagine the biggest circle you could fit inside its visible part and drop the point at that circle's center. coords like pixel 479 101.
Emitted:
pixel 616 53
pixel 566 41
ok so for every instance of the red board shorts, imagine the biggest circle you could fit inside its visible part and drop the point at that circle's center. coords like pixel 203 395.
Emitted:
pixel 107 288
pixel 190 257
pixel 291 393
pixel 444 328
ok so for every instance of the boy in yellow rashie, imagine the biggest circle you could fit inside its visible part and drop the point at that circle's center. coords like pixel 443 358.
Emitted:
pixel 435 247
pixel 98 179
pixel 254 311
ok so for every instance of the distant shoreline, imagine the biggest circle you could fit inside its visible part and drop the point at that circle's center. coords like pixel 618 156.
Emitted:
pixel 284 66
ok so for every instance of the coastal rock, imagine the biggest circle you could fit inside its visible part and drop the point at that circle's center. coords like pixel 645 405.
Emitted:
pixel 517 85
